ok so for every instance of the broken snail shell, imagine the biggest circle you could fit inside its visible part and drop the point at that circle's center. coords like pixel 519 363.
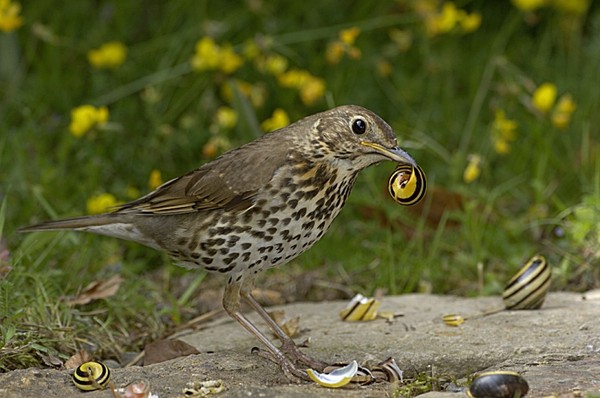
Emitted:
pixel 387 370
pixel 407 184
pixel 360 308
pixel 91 376
pixel 335 379
pixel 527 289
pixel 498 384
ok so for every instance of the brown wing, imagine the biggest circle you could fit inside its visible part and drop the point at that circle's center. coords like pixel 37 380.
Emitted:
pixel 229 182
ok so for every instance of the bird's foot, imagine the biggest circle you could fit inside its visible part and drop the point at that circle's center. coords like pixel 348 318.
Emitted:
pixel 289 369
pixel 297 355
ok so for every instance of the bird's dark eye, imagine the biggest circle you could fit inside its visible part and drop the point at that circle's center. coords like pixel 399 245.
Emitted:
pixel 359 126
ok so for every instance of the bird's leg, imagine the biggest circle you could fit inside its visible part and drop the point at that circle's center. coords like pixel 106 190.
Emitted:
pixel 231 304
pixel 287 344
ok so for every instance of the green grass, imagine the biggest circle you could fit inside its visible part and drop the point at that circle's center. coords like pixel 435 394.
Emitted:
pixel 440 97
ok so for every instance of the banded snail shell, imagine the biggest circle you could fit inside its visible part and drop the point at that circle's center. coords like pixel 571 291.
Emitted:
pixel 407 184
pixel 453 319
pixel 91 376
pixel 527 289
pixel 499 384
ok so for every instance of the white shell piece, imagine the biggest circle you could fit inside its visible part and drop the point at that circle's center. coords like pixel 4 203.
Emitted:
pixel 337 378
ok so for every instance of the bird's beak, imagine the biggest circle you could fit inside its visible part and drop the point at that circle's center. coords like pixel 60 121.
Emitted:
pixel 396 154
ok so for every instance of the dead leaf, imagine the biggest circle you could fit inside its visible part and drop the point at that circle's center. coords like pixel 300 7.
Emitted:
pixel 97 290
pixel 4 271
pixel 268 297
pixel 277 315
pixel 163 350
pixel 79 358
pixel 52 361
pixel 291 327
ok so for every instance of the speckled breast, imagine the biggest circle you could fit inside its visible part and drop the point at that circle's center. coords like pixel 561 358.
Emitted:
pixel 290 214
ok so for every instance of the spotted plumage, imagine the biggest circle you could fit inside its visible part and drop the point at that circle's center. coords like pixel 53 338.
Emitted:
pixel 255 207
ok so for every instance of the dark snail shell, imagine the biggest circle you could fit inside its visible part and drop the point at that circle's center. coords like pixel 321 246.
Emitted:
pixel 407 184
pixel 91 376
pixel 500 384
pixel 527 289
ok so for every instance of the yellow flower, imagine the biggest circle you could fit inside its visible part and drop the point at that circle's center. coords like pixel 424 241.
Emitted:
pixel 110 55
pixel 504 131
pixel 311 88
pixel 561 116
pixel 334 52
pixel 473 169
pixel 86 117
pixel 210 56
pixel 348 36
pixel 276 64
pixel 543 97
pixel 101 203
pixel 206 56
pixel 229 60
pixel 469 22
pixel 293 78
pixel 9 16
pixel 448 19
pixel 344 45
pixel 278 120
pixel 226 117
pixel 215 145
pixel 506 127
pixel 155 180
pixel 529 5
pixel 255 93
pixel 501 146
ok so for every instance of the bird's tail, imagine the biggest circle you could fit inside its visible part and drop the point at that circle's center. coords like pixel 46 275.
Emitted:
pixel 109 224
pixel 77 223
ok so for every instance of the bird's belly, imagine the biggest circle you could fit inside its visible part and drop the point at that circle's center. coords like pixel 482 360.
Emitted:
pixel 271 233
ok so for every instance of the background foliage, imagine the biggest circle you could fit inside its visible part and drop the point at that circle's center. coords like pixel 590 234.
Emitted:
pixel 102 101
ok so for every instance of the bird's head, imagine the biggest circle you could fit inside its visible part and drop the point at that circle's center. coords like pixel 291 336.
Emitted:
pixel 355 135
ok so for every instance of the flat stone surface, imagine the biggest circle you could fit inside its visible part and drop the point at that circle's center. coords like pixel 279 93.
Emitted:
pixel 556 349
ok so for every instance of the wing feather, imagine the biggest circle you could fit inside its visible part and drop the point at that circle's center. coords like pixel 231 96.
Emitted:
pixel 230 182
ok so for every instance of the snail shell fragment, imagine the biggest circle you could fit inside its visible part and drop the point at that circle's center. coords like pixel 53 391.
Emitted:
pixel 335 379
pixel 360 308
pixel 407 184
pixel 91 376
pixel 499 384
pixel 527 289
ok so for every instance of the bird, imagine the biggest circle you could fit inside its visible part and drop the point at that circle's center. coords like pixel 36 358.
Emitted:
pixel 255 207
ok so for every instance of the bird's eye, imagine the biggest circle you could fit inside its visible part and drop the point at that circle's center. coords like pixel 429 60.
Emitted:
pixel 359 126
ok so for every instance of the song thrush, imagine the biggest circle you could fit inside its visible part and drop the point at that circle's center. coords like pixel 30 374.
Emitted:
pixel 255 207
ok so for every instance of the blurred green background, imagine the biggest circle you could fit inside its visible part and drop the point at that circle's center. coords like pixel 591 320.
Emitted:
pixel 100 101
